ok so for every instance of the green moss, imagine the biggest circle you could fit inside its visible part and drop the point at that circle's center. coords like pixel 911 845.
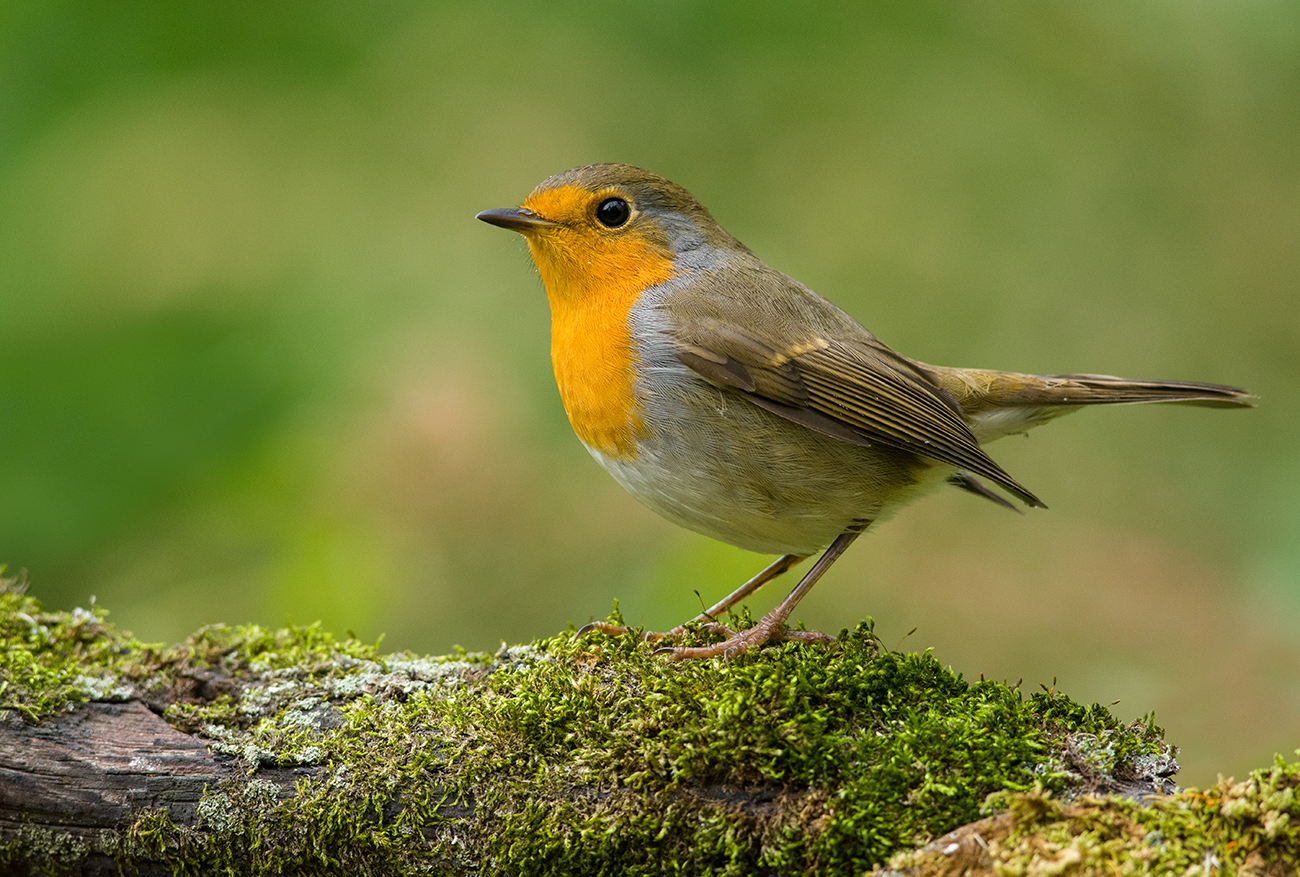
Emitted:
pixel 51 660
pixel 894 747
pixel 1099 743
pixel 1249 827
pixel 572 755
pixel 42 851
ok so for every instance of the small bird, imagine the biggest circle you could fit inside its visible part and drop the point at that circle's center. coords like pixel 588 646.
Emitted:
pixel 735 401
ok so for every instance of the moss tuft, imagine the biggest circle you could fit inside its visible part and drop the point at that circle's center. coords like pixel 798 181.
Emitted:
pixel 49 661
pixel 1249 828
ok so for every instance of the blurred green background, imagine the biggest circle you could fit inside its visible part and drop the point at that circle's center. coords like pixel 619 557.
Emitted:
pixel 258 361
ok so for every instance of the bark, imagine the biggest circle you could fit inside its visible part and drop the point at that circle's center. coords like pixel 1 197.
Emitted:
pixel 73 778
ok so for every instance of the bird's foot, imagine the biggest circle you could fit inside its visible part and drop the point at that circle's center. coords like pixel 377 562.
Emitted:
pixel 738 642
pixel 734 643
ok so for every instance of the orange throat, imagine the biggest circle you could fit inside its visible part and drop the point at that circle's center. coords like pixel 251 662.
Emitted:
pixel 591 292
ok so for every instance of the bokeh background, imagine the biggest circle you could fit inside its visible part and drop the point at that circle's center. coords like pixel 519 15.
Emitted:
pixel 258 361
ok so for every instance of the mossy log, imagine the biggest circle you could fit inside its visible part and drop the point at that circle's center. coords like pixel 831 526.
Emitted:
pixel 244 750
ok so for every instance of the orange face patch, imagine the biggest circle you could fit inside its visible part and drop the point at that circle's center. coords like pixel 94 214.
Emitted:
pixel 593 275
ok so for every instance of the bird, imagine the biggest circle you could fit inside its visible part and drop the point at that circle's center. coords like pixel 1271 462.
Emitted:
pixel 736 402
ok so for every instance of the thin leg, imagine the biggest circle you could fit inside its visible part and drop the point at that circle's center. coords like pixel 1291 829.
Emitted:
pixel 714 612
pixel 772 625
pixel 711 614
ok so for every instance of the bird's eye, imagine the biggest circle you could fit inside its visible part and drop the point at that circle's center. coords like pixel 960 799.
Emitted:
pixel 613 212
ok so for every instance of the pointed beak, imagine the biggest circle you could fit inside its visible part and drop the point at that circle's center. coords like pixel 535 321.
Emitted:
pixel 515 219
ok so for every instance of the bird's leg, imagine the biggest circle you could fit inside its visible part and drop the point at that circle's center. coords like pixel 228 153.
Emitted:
pixel 710 615
pixel 772 625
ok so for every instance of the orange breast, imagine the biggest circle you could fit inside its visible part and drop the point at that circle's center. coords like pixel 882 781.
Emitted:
pixel 592 285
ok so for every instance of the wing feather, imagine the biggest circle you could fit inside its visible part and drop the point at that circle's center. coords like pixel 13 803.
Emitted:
pixel 855 390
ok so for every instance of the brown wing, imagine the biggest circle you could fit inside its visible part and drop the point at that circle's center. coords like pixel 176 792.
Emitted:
pixel 856 390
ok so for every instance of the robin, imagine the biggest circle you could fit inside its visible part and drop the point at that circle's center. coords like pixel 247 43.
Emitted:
pixel 735 401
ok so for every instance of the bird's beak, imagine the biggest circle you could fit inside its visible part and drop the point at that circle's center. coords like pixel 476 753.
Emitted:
pixel 515 219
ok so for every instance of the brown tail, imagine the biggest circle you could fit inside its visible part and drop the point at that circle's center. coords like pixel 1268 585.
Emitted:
pixel 1104 389
pixel 1004 403
pixel 997 404
pixel 979 391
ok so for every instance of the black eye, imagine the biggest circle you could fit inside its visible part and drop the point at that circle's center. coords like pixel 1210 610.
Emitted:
pixel 613 212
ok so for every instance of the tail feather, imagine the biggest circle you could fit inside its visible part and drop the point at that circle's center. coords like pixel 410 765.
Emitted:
pixel 1104 389
pixel 1004 403
pixel 981 390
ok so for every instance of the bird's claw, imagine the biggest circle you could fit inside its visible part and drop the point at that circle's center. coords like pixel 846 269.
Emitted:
pixel 603 626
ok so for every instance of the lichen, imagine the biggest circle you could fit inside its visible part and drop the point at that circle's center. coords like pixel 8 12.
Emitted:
pixel 582 755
